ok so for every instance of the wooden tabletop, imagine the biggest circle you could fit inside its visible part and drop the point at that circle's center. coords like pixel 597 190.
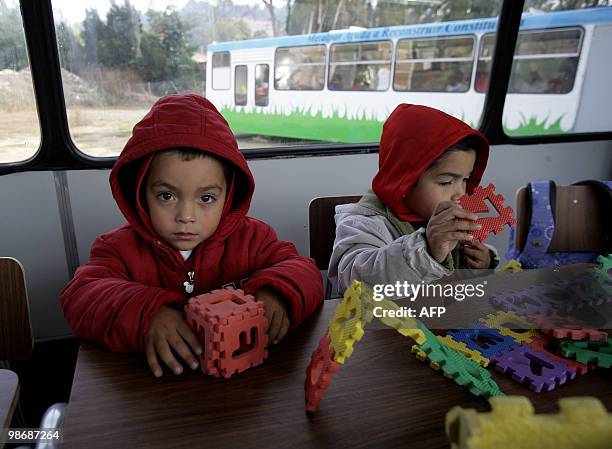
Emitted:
pixel 382 397
pixel 9 394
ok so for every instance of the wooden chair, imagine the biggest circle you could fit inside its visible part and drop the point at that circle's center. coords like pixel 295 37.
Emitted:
pixel 322 230
pixel 581 220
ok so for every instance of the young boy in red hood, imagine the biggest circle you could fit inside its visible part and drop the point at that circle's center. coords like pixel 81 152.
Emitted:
pixel 410 226
pixel 185 189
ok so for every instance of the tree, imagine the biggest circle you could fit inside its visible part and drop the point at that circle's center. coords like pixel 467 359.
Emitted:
pixel 93 31
pixel 13 54
pixel 270 7
pixel 70 48
pixel 120 43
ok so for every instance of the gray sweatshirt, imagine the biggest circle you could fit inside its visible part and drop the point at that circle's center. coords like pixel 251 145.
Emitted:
pixel 372 245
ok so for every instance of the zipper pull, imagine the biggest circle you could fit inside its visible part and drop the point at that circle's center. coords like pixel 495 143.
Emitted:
pixel 189 283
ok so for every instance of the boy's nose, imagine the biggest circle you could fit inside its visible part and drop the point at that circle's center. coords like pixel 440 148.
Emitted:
pixel 186 214
pixel 458 193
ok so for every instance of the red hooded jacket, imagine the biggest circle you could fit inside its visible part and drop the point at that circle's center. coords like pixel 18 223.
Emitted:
pixel 132 271
pixel 413 137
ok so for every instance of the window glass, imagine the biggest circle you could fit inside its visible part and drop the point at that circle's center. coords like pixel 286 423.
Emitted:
pixel 299 68
pixel 360 66
pixel 262 84
pixel 240 87
pixel 434 65
pixel 19 128
pixel 221 70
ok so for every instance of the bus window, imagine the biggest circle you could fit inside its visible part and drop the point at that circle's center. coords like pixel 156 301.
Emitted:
pixel 19 129
pixel 360 66
pixel 545 62
pixel 299 68
pixel 262 83
pixel 240 85
pixel 434 65
pixel 221 70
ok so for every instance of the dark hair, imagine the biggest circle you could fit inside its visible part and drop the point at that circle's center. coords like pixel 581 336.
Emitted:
pixel 189 154
pixel 469 143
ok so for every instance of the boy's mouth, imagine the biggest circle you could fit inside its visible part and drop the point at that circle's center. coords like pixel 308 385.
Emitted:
pixel 185 236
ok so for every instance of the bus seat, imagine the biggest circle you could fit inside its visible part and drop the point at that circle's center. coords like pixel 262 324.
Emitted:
pixel 16 336
pixel 322 230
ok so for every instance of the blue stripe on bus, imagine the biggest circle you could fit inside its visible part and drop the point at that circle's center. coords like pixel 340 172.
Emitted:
pixel 529 21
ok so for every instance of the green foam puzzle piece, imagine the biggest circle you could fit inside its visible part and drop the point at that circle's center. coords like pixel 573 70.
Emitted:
pixel 599 352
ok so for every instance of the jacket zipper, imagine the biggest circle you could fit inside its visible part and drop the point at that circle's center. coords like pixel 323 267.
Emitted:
pixel 189 283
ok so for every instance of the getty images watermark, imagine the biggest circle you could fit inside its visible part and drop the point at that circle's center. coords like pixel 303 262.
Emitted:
pixel 406 290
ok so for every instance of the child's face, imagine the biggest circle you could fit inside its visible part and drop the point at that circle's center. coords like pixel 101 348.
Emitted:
pixel 445 180
pixel 185 198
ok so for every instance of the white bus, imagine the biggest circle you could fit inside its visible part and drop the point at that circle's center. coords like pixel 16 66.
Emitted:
pixel 340 86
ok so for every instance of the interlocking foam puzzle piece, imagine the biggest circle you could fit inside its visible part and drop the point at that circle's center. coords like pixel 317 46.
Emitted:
pixel 231 327
pixel 476 203
pixel 512 265
pixel 465 372
pixel 488 342
pixel 347 324
pixel 540 344
pixel 555 321
pixel 520 363
pixel 457 346
pixel 577 334
pixel 406 326
pixel 602 282
pixel 500 320
pixel 582 422
pixel 319 374
pixel 528 301
pixel 599 352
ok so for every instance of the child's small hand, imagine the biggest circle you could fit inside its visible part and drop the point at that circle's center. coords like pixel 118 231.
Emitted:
pixel 477 255
pixel 168 332
pixel 276 313
pixel 448 226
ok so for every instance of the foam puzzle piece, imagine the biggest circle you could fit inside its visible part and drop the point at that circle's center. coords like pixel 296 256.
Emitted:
pixel 577 334
pixel 476 203
pixel 347 324
pixel 598 352
pixel 582 422
pixel 465 372
pixel 555 321
pixel 319 374
pixel 541 343
pixel 602 280
pixel 406 326
pixel 457 346
pixel 533 368
pixel 502 320
pixel 231 327
pixel 512 266
pixel 488 342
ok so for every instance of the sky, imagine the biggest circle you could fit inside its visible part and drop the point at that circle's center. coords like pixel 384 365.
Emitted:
pixel 74 11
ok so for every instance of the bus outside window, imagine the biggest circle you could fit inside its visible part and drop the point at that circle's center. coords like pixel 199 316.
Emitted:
pixel 19 128
pixel 360 66
pixel 221 70
pixel 299 68
pixel 434 65
pixel 262 84
pixel 241 86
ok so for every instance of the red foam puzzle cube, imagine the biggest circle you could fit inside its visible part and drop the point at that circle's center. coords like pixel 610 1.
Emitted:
pixel 231 327
pixel 476 203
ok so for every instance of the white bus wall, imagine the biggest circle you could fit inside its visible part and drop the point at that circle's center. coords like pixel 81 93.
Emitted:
pixel 32 232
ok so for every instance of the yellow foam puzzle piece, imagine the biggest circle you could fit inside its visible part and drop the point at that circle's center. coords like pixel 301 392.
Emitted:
pixel 461 347
pixel 512 265
pixel 582 422
pixel 406 326
pixel 347 325
pixel 500 319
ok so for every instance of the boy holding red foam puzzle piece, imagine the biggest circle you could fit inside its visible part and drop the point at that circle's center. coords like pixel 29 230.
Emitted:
pixel 410 226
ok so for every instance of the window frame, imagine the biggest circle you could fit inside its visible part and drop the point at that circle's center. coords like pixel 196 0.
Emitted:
pixel 325 64
pixel 267 95
pixel 246 83
pixel 360 62
pixel 212 70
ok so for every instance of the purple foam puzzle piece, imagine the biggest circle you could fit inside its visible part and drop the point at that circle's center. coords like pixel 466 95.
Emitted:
pixel 522 303
pixel 519 360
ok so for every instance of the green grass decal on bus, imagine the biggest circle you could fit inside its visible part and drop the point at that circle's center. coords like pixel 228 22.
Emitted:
pixel 303 125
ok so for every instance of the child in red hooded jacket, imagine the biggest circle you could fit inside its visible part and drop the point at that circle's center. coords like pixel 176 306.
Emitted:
pixel 185 189
pixel 410 226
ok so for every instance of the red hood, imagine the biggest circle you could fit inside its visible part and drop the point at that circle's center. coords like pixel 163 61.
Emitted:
pixel 413 138
pixel 180 121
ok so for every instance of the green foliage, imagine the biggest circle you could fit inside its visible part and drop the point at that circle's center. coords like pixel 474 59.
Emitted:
pixel 13 53
pixel 119 45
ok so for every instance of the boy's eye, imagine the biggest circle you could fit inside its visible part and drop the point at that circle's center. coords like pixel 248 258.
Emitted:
pixel 445 183
pixel 164 196
pixel 207 199
pixel 466 179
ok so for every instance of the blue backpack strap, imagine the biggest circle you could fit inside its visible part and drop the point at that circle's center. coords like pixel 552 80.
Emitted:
pixel 541 222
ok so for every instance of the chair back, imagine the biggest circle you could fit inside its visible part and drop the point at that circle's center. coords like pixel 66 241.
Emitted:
pixel 16 340
pixel 322 227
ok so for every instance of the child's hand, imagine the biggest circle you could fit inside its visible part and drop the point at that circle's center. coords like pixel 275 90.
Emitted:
pixel 447 226
pixel 276 313
pixel 477 255
pixel 170 332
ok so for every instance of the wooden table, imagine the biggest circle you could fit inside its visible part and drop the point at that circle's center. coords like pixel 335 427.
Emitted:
pixel 9 394
pixel 382 397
